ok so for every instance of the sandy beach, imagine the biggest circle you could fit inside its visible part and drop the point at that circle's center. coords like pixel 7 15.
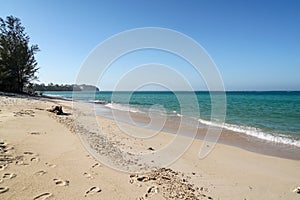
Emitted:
pixel 42 157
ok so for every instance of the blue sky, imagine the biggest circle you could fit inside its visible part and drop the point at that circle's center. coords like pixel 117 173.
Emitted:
pixel 255 44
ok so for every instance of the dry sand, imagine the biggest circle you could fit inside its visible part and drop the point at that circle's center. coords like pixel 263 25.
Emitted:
pixel 42 157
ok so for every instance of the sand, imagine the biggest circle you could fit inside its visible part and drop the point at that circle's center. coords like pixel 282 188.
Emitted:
pixel 42 157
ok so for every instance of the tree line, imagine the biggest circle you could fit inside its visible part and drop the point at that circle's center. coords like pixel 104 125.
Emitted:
pixel 18 66
pixel 55 87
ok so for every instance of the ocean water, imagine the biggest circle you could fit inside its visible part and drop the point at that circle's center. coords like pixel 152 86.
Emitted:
pixel 271 116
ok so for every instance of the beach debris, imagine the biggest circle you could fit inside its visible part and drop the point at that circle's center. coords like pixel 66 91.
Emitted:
pixel 56 109
pixel 169 183
pixel 151 149
pixel 297 190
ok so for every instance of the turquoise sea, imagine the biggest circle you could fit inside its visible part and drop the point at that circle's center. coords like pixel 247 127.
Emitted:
pixel 273 116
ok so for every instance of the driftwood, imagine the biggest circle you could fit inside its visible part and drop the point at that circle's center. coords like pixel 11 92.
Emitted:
pixel 56 109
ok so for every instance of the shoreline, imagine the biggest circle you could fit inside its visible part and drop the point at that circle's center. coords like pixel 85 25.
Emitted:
pixel 287 136
pixel 227 137
pixel 49 160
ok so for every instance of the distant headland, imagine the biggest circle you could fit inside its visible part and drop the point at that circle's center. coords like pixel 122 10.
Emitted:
pixel 66 87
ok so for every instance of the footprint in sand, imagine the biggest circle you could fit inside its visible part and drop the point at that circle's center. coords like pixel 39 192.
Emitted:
pixel 8 175
pixel 3 166
pixel 87 175
pixel 26 112
pixel 93 190
pixel 35 159
pixel 21 162
pixel 50 165
pixel 3 189
pixel 60 182
pixel 3 144
pixel 36 133
pixel 151 190
pixel 29 153
pixel 7 149
pixel 43 196
pixel 30 156
pixel 95 165
pixel 4 147
pixel 40 173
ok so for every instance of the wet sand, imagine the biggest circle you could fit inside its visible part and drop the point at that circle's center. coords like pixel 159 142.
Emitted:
pixel 228 137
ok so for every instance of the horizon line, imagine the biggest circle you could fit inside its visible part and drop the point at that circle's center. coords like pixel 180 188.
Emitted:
pixel 200 91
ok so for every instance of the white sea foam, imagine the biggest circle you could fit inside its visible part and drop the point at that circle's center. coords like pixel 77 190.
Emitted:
pixel 98 102
pixel 121 107
pixel 255 132
pixel 54 95
pixel 251 131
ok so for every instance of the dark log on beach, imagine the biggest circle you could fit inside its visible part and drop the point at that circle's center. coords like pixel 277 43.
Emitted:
pixel 56 109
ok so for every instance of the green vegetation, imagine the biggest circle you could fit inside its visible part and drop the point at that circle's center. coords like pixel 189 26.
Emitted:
pixel 18 66
pixel 56 87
